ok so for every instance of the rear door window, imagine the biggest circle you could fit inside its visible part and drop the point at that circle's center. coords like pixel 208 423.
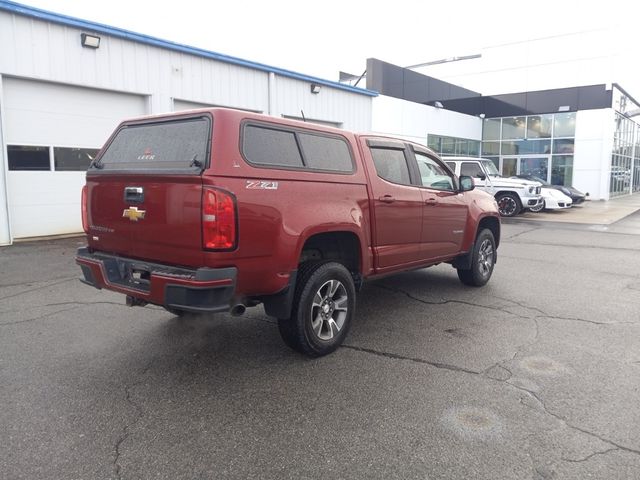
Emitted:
pixel 172 145
pixel 391 164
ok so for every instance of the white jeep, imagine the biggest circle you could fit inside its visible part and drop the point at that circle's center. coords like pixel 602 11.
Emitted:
pixel 512 195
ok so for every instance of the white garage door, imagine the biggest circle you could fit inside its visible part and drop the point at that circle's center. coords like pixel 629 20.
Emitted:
pixel 51 132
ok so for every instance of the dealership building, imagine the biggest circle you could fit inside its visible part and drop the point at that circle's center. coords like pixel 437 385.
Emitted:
pixel 65 84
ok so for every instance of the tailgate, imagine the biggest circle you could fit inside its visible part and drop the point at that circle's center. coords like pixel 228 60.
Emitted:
pixel 144 191
pixel 160 222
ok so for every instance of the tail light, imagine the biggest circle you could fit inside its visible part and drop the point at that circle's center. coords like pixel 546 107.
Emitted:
pixel 85 216
pixel 218 220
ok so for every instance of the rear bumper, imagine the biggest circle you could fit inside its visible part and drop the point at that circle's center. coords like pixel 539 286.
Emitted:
pixel 193 290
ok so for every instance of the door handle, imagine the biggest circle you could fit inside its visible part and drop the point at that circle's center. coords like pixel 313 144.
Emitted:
pixel 431 201
pixel 387 199
pixel 133 195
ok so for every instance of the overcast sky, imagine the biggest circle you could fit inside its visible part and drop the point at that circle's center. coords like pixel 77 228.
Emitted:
pixel 322 37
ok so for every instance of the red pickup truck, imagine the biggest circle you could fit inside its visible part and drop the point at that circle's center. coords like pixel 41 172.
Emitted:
pixel 218 210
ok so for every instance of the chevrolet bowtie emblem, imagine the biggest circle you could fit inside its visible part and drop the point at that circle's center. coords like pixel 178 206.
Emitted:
pixel 133 214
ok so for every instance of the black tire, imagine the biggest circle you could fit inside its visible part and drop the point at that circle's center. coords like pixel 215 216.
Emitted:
pixel 323 307
pixel 483 259
pixel 508 204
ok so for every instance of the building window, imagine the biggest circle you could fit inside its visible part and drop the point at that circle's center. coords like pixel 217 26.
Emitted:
pixel 621 174
pixel 539 126
pixel 73 159
pixel 449 146
pixel 513 128
pixel 564 124
pixel 529 144
pixel 28 158
pixel 491 129
pixel 562 170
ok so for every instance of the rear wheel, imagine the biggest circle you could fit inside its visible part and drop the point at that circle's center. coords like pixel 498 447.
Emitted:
pixel 483 259
pixel 323 308
pixel 508 204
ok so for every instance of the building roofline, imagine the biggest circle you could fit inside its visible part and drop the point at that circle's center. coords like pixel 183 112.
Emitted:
pixel 95 27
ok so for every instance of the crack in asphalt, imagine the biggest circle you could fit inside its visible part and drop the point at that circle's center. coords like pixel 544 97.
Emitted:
pixel 395 356
pixel 46 315
pixel 30 282
pixel 594 322
pixel 39 288
pixel 521 233
pixel 455 368
pixel 565 422
pixel 126 430
pixel 520 304
pixel 41 317
pixel 534 395
pixel 445 302
pixel 580 460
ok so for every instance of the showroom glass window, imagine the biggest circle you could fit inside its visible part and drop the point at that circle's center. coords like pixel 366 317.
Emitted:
pixel 622 167
pixel 450 146
pixel 533 144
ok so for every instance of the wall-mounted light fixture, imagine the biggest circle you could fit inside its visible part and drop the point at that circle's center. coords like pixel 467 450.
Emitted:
pixel 438 104
pixel 564 108
pixel 315 88
pixel 89 41
pixel 482 115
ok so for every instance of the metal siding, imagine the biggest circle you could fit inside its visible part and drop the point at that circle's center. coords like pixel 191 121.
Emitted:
pixel 352 112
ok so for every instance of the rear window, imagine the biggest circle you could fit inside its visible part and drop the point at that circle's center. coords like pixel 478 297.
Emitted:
pixel 173 145
pixel 280 148
pixel 267 146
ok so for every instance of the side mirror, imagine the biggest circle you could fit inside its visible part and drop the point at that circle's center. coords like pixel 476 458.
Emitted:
pixel 466 183
pixel 482 176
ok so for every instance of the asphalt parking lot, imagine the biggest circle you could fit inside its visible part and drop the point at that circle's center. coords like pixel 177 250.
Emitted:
pixel 535 376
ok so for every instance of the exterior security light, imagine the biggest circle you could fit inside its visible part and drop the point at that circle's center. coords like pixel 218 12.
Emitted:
pixel 89 41
pixel 564 108
pixel 438 104
pixel 315 88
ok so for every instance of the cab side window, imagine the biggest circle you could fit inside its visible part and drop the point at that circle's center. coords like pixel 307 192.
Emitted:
pixel 391 165
pixel 432 174
pixel 472 169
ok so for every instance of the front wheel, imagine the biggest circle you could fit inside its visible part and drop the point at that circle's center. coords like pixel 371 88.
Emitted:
pixel 537 208
pixel 508 204
pixel 323 307
pixel 483 259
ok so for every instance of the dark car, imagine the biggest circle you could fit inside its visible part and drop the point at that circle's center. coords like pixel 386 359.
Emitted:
pixel 576 195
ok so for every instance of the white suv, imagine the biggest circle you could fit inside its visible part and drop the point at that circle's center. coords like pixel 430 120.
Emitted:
pixel 512 195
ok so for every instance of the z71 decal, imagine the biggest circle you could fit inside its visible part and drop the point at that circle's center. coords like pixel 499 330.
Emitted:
pixel 261 185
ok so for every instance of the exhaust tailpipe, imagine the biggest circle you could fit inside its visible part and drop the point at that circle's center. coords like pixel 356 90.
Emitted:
pixel 238 310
